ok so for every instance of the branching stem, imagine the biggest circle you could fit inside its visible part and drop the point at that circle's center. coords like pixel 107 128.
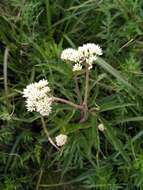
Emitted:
pixel 85 102
pixel 86 86
pixel 47 133
pixel 77 89
pixel 76 106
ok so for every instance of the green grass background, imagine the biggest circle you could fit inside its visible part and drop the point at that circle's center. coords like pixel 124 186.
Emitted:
pixel 32 36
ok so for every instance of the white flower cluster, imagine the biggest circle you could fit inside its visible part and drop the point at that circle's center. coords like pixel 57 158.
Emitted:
pixel 77 67
pixel 61 139
pixel 84 54
pixel 37 97
pixel 70 54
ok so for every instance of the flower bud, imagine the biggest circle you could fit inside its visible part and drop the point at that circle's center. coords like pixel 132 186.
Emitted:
pixel 61 139
pixel 101 127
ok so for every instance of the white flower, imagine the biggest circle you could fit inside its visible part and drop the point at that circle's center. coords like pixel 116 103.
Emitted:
pixel 37 97
pixel 89 49
pixel 101 127
pixel 61 139
pixel 44 106
pixel 77 67
pixel 70 54
pixel 90 67
pixel 89 52
pixel 85 54
pixel 90 61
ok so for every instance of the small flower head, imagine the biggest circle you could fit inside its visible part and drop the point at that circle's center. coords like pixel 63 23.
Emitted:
pixel 61 139
pixel 77 67
pixel 85 54
pixel 89 50
pixel 70 54
pixel 101 127
pixel 38 98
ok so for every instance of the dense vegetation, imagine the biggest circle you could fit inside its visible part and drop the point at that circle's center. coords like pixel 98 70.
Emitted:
pixel 32 35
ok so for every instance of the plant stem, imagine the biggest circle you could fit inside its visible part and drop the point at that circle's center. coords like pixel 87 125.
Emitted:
pixel 47 133
pixel 5 63
pixel 48 12
pixel 77 89
pixel 39 179
pixel 68 102
pixel 86 86
pixel 84 117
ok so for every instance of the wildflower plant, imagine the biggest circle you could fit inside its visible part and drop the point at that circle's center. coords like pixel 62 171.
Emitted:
pixel 38 94
pixel 98 146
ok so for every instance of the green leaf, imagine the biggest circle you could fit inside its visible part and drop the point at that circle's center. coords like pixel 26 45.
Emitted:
pixel 114 140
pixel 71 128
pixel 116 74
pixel 111 106
pixel 128 119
